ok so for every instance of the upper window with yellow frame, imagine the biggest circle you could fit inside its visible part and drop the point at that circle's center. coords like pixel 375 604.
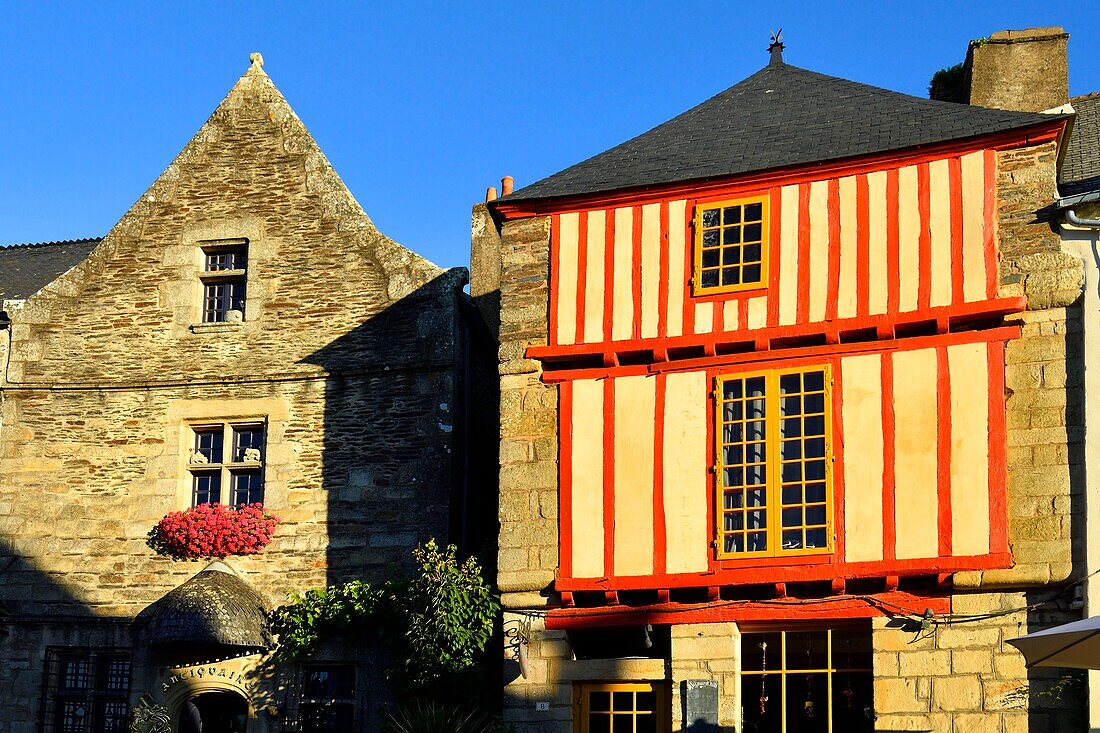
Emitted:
pixel 731 246
pixel 774 463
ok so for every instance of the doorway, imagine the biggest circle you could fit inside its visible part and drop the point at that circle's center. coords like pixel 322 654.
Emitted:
pixel 214 712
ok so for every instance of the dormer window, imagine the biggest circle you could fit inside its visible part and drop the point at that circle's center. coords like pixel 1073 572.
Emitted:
pixel 731 244
pixel 224 280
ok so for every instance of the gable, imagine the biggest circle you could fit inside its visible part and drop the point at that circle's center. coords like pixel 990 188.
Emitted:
pixel 318 267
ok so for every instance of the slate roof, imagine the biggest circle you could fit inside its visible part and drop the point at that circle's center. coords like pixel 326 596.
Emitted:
pixel 780 116
pixel 27 268
pixel 1081 166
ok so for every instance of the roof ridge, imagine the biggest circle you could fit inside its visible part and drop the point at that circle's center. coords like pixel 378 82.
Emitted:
pixel 781 115
pixel 32 245
pixel 1084 97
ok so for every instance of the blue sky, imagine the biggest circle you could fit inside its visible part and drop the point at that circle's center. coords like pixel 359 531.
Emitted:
pixel 420 106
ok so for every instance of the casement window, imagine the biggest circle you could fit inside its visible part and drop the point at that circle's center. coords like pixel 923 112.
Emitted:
pixel 227 463
pixel 224 280
pixel 86 690
pixel 326 698
pixel 807 680
pixel 731 246
pixel 773 464
pixel 622 707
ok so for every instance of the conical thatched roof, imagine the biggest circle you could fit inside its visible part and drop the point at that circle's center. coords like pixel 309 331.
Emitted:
pixel 215 608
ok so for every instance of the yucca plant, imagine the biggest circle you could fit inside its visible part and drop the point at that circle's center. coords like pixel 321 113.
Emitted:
pixel 432 717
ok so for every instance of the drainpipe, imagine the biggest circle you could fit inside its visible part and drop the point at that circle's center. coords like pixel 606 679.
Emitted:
pixel 1082 237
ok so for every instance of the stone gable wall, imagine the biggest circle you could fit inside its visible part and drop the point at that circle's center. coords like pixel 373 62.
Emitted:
pixel 348 350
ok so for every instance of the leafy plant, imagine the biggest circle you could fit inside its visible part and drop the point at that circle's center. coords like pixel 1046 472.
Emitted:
pixel 436 624
pixel 213 530
pixel 322 612
pixel 448 611
pixel 949 85
pixel 431 717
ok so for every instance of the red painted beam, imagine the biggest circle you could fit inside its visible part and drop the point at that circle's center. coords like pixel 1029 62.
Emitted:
pixel 780 610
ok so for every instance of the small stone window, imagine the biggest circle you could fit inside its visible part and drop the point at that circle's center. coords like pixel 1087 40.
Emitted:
pixel 227 463
pixel 224 280
pixel 86 690
pixel 731 245
pixel 326 700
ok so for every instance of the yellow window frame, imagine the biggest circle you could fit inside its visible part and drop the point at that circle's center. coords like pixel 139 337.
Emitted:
pixel 581 702
pixel 773 464
pixel 698 288
pixel 785 673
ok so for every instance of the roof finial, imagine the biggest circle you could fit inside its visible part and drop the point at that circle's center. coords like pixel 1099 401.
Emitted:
pixel 776 48
pixel 256 58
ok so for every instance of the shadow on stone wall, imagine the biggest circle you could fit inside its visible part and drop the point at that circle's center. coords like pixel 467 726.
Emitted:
pixel 406 452
pixel 409 452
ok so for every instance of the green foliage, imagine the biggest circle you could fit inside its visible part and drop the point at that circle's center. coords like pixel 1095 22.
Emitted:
pixel 338 609
pixel 436 624
pixel 448 612
pixel 949 85
pixel 430 717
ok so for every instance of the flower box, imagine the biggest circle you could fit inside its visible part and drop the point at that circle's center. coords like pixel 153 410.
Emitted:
pixel 213 530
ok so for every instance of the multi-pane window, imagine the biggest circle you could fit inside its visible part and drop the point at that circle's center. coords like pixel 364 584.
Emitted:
pixel 227 463
pixel 326 703
pixel 731 241
pixel 623 708
pixel 773 464
pixel 224 279
pixel 86 691
pixel 809 681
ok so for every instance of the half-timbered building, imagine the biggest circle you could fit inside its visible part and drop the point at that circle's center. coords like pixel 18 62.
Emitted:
pixel 783 433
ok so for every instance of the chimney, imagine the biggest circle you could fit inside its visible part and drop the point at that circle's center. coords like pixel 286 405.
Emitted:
pixel 1025 71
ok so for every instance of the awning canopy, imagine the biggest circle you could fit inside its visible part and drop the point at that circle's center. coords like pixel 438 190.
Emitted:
pixel 214 609
pixel 1074 644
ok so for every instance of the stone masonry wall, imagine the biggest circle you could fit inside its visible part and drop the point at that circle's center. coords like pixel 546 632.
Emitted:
pixel 965 678
pixel 528 555
pixel 346 349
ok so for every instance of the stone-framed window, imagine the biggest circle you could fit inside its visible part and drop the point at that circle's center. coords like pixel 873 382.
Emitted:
pixel 326 698
pixel 86 690
pixel 224 279
pixel 639 707
pixel 731 246
pixel 808 679
pixel 773 464
pixel 227 462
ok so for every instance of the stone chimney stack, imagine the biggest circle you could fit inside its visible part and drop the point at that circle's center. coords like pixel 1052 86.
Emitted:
pixel 1026 70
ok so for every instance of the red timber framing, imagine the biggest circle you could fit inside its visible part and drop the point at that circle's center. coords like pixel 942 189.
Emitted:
pixel 792 585
pixel 892 603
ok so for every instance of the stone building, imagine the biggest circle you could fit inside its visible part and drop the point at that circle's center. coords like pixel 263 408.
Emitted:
pixel 244 333
pixel 791 418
